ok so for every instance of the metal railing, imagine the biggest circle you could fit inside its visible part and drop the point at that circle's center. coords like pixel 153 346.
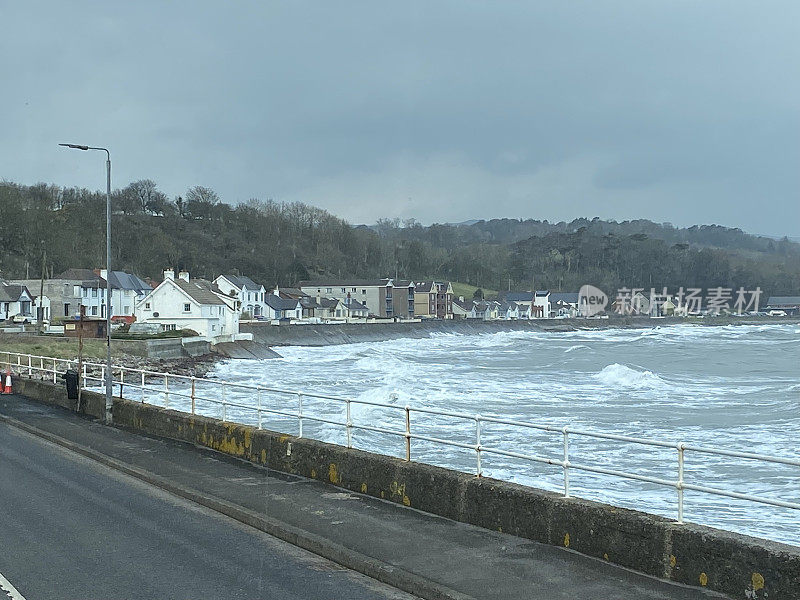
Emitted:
pixel 158 385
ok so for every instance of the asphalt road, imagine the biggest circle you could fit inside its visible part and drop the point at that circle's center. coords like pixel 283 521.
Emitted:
pixel 71 528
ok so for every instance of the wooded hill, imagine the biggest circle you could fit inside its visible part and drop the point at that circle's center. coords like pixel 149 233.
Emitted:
pixel 283 243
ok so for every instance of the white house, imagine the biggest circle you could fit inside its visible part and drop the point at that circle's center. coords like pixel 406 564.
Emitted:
pixel 541 298
pixel 15 300
pixel 251 295
pixel 126 291
pixel 194 304
pixel 508 311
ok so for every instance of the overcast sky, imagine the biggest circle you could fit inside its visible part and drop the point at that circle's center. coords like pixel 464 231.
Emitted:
pixel 680 111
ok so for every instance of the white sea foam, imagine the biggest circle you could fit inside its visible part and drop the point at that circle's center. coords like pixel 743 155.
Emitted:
pixel 712 386
pixel 576 347
pixel 622 376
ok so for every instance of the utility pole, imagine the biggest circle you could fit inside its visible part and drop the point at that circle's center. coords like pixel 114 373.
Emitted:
pixel 40 308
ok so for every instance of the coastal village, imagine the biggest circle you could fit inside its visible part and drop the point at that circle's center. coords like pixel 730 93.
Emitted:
pixel 214 309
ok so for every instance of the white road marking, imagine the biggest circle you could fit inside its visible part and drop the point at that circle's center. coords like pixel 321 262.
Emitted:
pixel 8 590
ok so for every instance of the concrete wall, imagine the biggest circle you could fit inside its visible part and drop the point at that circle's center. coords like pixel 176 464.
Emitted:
pixel 346 333
pixel 737 565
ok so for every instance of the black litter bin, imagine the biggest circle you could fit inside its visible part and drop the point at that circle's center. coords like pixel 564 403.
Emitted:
pixel 71 380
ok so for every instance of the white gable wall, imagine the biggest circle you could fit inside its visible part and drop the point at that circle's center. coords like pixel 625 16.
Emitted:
pixel 167 304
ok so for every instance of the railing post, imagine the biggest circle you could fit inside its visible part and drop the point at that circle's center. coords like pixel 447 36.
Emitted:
pixel 121 380
pixel 224 404
pixel 166 390
pixel 258 393
pixel 300 413
pixel 679 484
pixel 102 373
pixel 142 387
pixel 408 433
pixel 83 379
pixel 479 471
pixel 30 371
pixel 348 425
pixel 566 462
pixel 55 368
pixel 193 390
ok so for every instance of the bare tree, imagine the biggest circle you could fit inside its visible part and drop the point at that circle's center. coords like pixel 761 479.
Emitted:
pixel 148 196
pixel 202 194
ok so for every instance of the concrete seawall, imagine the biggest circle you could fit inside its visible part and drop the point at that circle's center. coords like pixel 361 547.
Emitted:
pixel 737 565
pixel 348 333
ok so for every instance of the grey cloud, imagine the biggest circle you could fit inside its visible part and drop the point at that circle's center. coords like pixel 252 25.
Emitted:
pixel 473 110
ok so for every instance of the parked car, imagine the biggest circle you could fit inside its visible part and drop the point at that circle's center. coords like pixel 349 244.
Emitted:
pixel 20 318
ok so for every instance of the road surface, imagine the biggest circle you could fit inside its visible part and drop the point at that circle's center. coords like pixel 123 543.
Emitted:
pixel 71 528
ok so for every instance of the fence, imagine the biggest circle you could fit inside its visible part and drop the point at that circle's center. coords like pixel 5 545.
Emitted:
pixel 143 381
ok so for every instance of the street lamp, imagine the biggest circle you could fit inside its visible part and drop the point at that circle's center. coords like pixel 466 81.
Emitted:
pixel 109 378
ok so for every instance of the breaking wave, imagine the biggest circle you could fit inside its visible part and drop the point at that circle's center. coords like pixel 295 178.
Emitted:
pixel 622 376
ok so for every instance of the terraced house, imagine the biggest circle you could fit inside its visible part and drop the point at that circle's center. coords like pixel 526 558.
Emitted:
pixel 383 297
pixel 433 299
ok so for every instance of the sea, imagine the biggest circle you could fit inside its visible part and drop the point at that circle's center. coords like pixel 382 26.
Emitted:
pixel 731 387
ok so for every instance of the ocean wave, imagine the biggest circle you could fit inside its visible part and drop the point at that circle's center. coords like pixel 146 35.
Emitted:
pixel 621 376
pixel 575 347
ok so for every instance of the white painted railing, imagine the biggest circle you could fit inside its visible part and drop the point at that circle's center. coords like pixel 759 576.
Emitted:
pixel 157 384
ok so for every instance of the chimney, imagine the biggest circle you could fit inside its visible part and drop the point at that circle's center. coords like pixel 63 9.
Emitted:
pixel 277 291
pixel 104 273
pixel 169 274
pixel 184 275
pixel 461 298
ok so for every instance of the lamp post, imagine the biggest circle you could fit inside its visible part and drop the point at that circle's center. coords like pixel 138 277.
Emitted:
pixel 109 377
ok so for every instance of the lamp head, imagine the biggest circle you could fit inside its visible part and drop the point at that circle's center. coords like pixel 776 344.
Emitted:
pixel 76 146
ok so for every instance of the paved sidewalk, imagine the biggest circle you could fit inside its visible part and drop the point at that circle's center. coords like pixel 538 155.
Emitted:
pixel 475 562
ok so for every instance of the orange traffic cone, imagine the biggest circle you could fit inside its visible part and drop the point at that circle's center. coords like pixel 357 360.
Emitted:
pixel 7 388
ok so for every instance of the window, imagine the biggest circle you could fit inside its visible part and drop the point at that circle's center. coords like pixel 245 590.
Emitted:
pixel 213 328
pixel 127 310
pixel 354 289
pixel 327 290
pixel 187 307
pixel 169 327
pixel 147 306
pixel 66 309
pixel 94 292
pixel 363 292
pixel 94 311
pixel 343 290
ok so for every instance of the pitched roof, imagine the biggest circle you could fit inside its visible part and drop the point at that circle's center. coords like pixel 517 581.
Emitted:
pixel 200 290
pixel 10 292
pixel 77 274
pixel 120 280
pixel 278 303
pixel 465 305
pixel 127 281
pixel 293 292
pixel 329 302
pixel 568 297
pixel 519 296
pixel 241 281
pixel 424 286
pixel 783 301
pixel 343 283
pixel 355 305
pixel 308 302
